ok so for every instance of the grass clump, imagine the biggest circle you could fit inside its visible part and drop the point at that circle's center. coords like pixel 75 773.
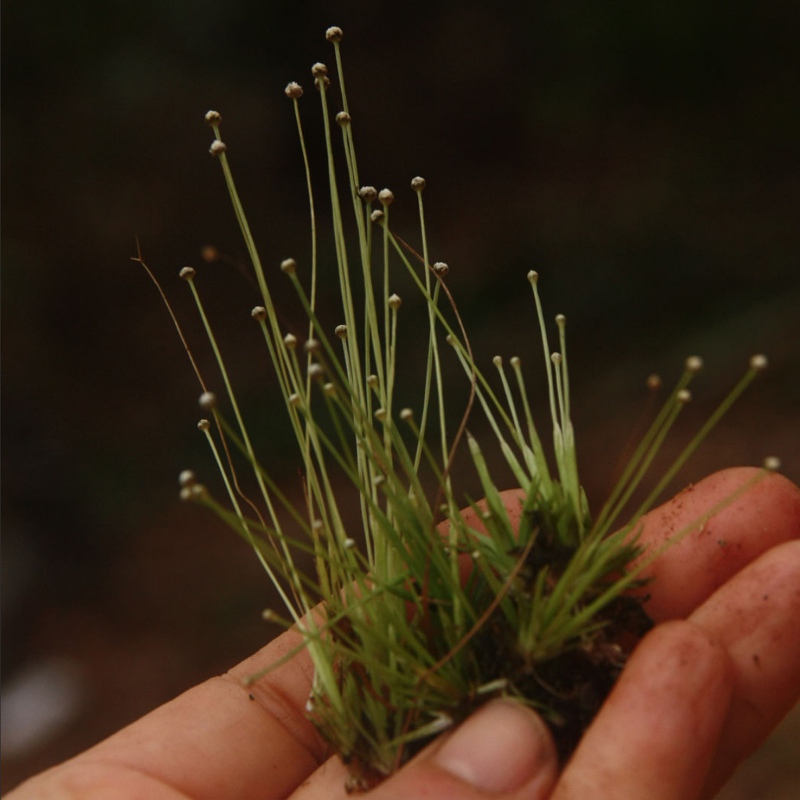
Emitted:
pixel 436 603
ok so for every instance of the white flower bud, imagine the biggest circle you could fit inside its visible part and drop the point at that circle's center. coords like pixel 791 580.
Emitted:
pixel 217 147
pixel 418 184
pixel 334 34
pixel 187 273
pixel 213 118
pixel 294 91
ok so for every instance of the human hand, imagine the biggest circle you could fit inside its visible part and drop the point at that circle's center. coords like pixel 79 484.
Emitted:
pixel 699 693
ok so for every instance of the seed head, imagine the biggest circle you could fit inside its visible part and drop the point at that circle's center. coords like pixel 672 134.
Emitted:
pixel 187 273
pixel 198 491
pixel 395 302
pixel 311 346
pixel 343 119
pixel 759 362
pixel 377 215
pixel 207 401
pixel 368 193
pixel 290 341
pixel 329 389
pixel 772 463
pixel 334 34
pixel 556 358
pixel 217 147
pixel 683 396
pixel 372 381
pixel 259 313
pixel 406 415
pixel 209 254
pixel 288 265
pixel 418 184
pixel 380 415
pixel 694 364
pixel 204 425
pixel 653 382
pixel 187 478
pixel 185 493
pixel 441 269
pixel 341 331
pixel 498 361
pixel 294 91
pixel 213 118
pixel 561 320
pixel 326 82
pixel 294 399
pixel 386 196
pixel 318 70
pixel 514 361
pixel 316 372
pixel 533 276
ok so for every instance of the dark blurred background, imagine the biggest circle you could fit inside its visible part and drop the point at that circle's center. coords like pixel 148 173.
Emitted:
pixel 641 156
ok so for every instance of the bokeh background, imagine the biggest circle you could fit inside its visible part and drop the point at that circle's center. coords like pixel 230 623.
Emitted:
pixel 641 156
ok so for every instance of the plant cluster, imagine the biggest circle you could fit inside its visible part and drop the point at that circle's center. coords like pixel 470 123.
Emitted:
pixel 437 603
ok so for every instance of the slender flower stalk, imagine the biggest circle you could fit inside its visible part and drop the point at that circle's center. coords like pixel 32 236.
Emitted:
pixel 419 617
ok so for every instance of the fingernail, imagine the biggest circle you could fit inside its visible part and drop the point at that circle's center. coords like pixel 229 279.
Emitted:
pixel 500 748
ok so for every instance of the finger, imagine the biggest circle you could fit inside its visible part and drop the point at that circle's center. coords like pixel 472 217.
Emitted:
pixel 216 740
pixel 754 616
pixel 656 734
pixel 691 570
pixel 503 751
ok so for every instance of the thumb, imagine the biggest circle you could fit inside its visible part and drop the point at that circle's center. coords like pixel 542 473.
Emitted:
pixel 503 751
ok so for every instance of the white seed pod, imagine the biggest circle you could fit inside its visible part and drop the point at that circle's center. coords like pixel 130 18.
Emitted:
pixel 349 543
pixel 386 196
pixel 290 341
pixel 533 276
pixel 185 493
pixel 187 478
pixel 341 331
pixel 372 381
pixel 198 491
pixel 406 414
pixel 759 362
pixel 556 358
pixel 326 83
pixel 217 147
pixel 368 193
pixel 187 273
pixel 515 361
pixel 497 361
pixel 329 389
pixel 213 118
pixel 418 184
pixel 207 401
pixel 334 34
pixel 318 70
pixel 694 364
pixel 772 463
pixel 268 615
pixel 441 269
pixel 204 425
pixel 293 90
pixel 343 119
pixel 259 313
pixel 395 301
pixel 316 372
pixel 294 399
pixel 377 215
pixel 312 346
pixel 561 320
pixel 288 266
pixel 683 396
